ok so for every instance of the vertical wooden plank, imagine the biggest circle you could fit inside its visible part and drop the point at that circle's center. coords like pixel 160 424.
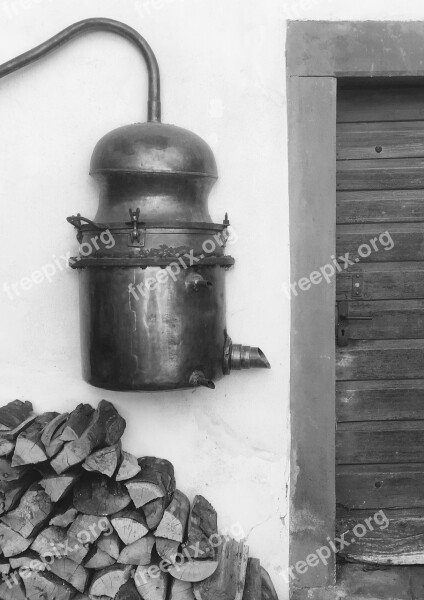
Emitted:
pixel 312 186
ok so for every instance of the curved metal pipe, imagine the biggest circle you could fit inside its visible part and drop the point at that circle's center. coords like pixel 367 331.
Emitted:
pixel 89 25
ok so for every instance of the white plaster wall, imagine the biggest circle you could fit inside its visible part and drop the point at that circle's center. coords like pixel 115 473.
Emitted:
pixel 223 74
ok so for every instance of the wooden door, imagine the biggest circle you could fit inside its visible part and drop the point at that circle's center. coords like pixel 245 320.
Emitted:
pixel 380 303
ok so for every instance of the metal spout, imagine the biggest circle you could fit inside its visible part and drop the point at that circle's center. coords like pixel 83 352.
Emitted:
pixel 198 378
pixel 237 357
pixel 248 357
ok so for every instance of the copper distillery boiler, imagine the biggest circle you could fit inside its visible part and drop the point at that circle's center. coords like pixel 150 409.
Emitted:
pixel 152 263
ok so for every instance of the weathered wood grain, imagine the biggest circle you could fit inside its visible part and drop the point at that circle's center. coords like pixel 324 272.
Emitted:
pixel 227 581
pixel 380 359
pixel 404 243
pixel 397 400
pixel 385 206
pixel 373 487
pixel 384 174
pixel 384 104
pixel 380 140
pixel 399 542
pixel 370 582
pixel 380 442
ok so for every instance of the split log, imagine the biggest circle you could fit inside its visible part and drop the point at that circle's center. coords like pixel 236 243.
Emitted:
pixel 56 444
pixel 128 468
pixel 138 553
pixel 128 591
pixel 193 570
pixel 11 493
pixel 50 539
pixel 50 434
pixel 227 582
pixel 15 413
pixel 155 480
pixel 65 515
pixel 130 525
pixel 56 541
pixel 104 461
pixel 153 511
pixel 109 543
pixel 88 528
pixel 9 473
pixel 105 429
pixel 151 582
pixel 181 590
pixel 57 486
pixel 6 447
pixel 109 581
pixel 43 585
pixel 202 527
pixel 253 584
pixel 98 559
pixel 68 571
pixel 98 495
pixel 174 521
pixel 168 550
pixel 12 434
pixel 268 589
pixel 12 588
pixel 12 543
pixel 29 448
pixel 34 508
pixel 77 423
pixel 28 561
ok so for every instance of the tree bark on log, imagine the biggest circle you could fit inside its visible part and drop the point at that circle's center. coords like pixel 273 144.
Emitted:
pixel 268 589
pixel 139 553
pixel 104 461
pixel 105 429
pixel 98 495
pixel 128 468
pixel 130 525
pixel 33 510
pixel 227 582
pixel 155 480
pixel 77 422
pixel 15 413
pixel 29 448
pixel 174 521
pixel 128 591
pixel 253 584
pixel 202 527
pixel 168 549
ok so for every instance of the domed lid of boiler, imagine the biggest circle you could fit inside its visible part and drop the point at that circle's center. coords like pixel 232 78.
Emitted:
pixel 153 148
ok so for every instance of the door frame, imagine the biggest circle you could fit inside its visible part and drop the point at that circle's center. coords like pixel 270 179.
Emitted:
pixel 318 53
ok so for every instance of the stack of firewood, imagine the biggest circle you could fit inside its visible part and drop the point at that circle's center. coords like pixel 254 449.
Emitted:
pixel 80 518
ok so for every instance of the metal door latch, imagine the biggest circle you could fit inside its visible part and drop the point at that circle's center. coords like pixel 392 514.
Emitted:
pixel 343 319
pixel 137 236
